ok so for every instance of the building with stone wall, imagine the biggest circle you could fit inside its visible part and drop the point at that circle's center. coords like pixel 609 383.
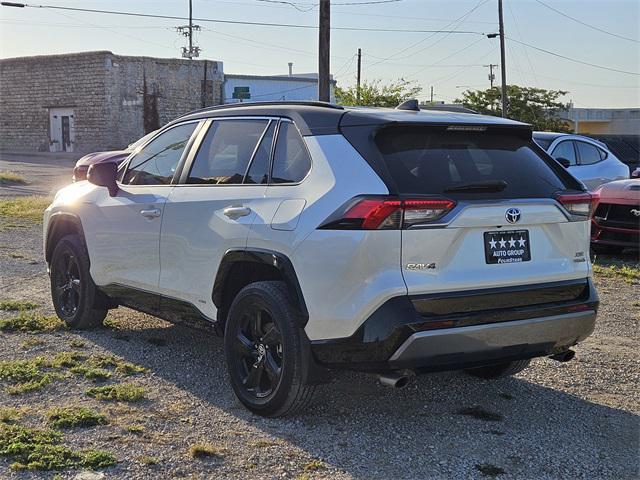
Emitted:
pixel 93 101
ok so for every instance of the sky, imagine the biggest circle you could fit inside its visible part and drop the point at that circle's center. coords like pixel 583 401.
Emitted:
pixel 450 62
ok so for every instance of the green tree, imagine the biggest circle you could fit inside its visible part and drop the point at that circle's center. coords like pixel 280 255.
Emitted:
pixel 374 94
pixel 536 106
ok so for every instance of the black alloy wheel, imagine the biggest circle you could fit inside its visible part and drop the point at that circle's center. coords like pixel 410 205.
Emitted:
pixel 77 300
pixel 258 345
pixel 267 352
pixel 67 284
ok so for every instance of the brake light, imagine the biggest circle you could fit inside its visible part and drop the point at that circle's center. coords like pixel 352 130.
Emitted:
pixel 579 205
pixel 382 213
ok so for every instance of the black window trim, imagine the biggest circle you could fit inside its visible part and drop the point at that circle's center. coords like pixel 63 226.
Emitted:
pixel 579 156
pixel 195 147
pixel 181 180
pixel 183 156
pixel 273 155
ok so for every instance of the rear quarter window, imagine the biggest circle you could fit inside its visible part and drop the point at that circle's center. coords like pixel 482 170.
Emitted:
pixel 427 160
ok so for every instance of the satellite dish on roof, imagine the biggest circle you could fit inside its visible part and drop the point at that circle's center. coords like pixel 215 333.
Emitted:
pixel 409 105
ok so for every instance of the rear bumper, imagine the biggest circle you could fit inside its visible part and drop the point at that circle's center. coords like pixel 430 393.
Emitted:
pixel 464 329
pixel 478 344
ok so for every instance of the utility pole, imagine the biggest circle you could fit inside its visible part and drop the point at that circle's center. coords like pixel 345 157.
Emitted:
pixel 358 77
pixel 492 77
pixel 503 66
pixel 431 93
pixel 324 40
pixel 187 30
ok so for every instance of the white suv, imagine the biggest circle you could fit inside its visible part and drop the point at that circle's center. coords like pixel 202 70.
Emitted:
pixel 317 237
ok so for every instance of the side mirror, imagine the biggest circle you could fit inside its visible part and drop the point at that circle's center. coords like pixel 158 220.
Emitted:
pixel 104 175
pixel 564 162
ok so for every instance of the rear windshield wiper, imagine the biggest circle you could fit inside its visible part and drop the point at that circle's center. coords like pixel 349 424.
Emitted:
pixel 488 186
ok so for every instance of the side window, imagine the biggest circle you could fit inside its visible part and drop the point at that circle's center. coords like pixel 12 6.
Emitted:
pixel 225 152
pixel 156 163
pixel 565 150
pixel 603 154
pixel 259 169
pixel 291 161
pixel 589 154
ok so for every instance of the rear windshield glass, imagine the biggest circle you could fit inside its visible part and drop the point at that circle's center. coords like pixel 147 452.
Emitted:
pixel 434 161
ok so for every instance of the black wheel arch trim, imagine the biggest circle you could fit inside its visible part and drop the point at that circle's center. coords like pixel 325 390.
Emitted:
pixel 264 257
pixel 55 220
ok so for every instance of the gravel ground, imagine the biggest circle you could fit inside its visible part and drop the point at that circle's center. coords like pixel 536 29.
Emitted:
pixel 573 420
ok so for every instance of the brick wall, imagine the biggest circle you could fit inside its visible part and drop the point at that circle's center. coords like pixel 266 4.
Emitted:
pixel 105 92
pixel 174 85
pixel 29 86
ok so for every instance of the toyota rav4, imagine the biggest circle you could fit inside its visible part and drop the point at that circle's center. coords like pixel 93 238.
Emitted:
pixel 316 237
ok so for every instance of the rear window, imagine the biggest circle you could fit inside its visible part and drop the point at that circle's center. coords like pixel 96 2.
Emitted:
pixel 434 161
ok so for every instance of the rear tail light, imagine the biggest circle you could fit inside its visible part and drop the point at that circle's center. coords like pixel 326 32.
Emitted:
pixel 579 205
pixel 384 213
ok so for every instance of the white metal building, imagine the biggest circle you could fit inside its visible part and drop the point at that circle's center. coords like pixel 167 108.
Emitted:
pixel 258 88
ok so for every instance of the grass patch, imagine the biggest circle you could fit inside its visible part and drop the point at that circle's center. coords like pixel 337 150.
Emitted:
pixel 29 208
pixel 205 450
pixel 28 321
pixel 21 370
pixel 489 470
pixel 92 373
pixel 77 344
pixel 123 392
pixel 37 449
pixel 70 417
pixel 629 273
pixel 9 415
pixel 12 178
pixel 31 343
pixel 16 305
pixel 481 414
pixel 148 460
pixel 31 385
pixel 313 465
pixel 137 429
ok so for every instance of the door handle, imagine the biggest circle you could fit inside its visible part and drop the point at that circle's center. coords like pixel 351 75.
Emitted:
pixel 236 212
pixel 152 213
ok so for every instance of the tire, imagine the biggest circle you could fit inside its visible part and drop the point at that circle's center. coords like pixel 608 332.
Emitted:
pixel 268 356
pixel 75 297
pixel 607 249
pixel 500 370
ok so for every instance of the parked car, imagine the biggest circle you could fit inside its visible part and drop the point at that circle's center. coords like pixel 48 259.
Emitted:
pixel 616 222
pixel 626 148
pixel 114 156
pixel 586 159
pixel 316 236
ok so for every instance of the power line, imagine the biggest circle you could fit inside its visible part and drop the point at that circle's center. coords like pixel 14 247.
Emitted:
pixel 573 59
pixel 445 58
pixel 457 21
pixel 236 22
pixel 593 27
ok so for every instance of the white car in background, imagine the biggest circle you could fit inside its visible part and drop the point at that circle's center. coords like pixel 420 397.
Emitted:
pixel 589 160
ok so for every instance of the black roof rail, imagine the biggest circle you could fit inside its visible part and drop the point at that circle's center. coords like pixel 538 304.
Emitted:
pixel 263 104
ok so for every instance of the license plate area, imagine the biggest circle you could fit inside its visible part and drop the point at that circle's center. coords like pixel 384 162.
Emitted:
pixel 507 246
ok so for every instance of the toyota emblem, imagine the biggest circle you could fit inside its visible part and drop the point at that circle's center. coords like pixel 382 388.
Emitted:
pixel 512 215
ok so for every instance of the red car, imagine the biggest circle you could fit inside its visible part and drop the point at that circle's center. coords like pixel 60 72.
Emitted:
pixel 616 221
pixel 115 156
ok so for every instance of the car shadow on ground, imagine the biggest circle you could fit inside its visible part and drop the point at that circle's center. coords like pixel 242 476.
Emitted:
pixel 370 431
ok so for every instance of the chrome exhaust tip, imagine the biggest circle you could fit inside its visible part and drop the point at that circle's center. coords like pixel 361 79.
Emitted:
pixel 395 379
